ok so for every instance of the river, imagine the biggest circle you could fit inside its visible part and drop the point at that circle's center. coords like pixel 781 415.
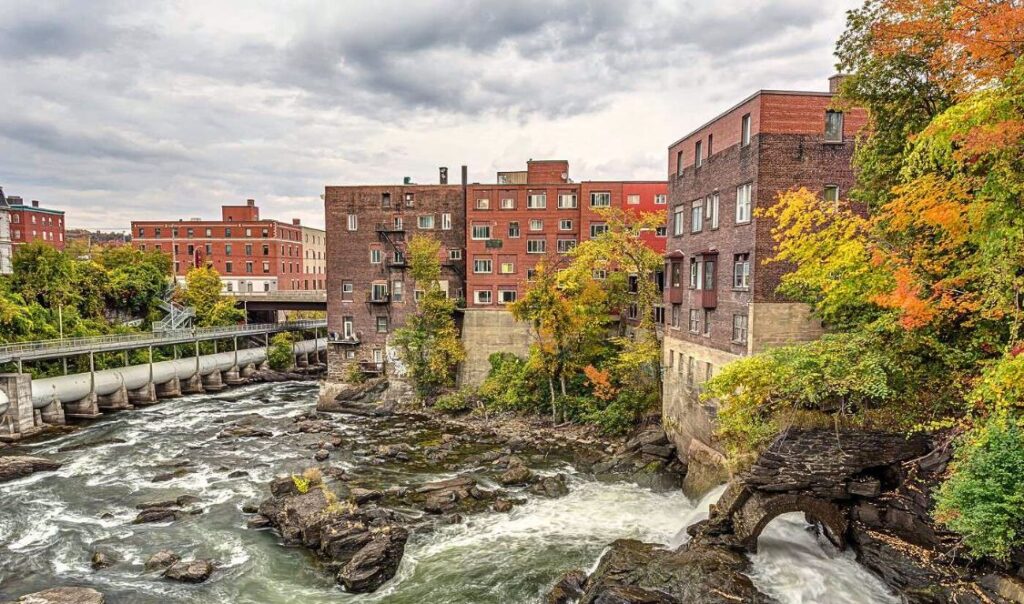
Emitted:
pixel 51 522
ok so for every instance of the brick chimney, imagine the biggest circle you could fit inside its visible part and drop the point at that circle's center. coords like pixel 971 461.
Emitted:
pixel 250 202
pixel 35 203
pixel 835 82
pixel 296 221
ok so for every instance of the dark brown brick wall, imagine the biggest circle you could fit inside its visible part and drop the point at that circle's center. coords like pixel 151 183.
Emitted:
pixel 348 257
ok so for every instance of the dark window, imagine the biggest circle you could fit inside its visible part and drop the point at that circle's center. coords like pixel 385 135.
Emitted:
pixel 834 126
pixel 745 131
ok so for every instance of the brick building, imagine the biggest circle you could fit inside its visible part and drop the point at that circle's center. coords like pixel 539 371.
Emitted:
pixel 528 215
pixel 369 290
pixel 314 258
pixel 35 223
pixel 720 295
pixel 251 254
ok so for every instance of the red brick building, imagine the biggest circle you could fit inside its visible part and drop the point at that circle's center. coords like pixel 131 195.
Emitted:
pixel 720 294
pixel 528 215
pixel 35 223
pixel 250 253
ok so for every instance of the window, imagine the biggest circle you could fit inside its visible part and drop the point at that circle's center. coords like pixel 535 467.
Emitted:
pixel 600 200
pixel 695 270
pixel 482 296
pixel 694 324
pixel 348 328
pixel 483 204
pixel 712 210
pixel 248 249
pixel 677 274
pixel 481 231
pixel 739 328
pixel 679 163
pixel 696 216
pixel 353 222
pixel 266 266
pixel 397 222
pixel 711 147
pixel 191 249
pixel 506 296
pixel 633 200
pixel 209 250
pixel 536 246
pixel 831 193
pixel 266 249
pixel 513 230
pixel 410 200
pixel 248 267
pixel 677 309
pixel 598 228
pixel 834 126
pixel 379 292
pixel 661 231
pixel 455 254
pixel 228 267
pixel 698 160
pixel 446 221
pixel 266 233
pixel 741 271
pixel 566 245
pixel 425 222
pixel 707 323
pixel 189 232
pixel 536 201
pixel 565 225
pixel 660 200
pixel 633 311
pixel 709 274
pixel 566 200
pixel 376 256
pixel 385 200
pixel 677 221
pixel 536 224
pixel 689 371
pixel 531 274
pixel 743 203
pixel 745 131
pixel 508 203
pixel 397 288
pixel 482 265
pixel 248 233
pixel 507 268
pixel 382 324
pixel 209 232
pixel 142 231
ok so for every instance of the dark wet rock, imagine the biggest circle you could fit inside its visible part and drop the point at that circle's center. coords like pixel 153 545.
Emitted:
pixel 362 496
pixel 502 505
pixel 651 436
pixel 271 376
pixel 629 594
pixel 63 595
pixel 194 571
pixel 313 426
pixel 568 588
pixel 376 562
pixel 366 399
pixel 551 486
pixel 244 432
pixel 461 494
pixel 103 557
pixel 161 560
pixel 516 475
pixel 238 474
pixel 91 444
pixel 157 515
pixel 180 501
pixel 250 508
pixel 168 476
pixel 12 467
pixel 322 455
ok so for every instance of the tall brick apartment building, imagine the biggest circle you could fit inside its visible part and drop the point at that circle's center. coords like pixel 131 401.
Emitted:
pixel 720 295
pixel 369 290
pixel 250 253
pixel 35 223
pixel 528 215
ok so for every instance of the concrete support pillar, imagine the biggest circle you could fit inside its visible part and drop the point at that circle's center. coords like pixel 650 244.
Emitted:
pixel 213 382
pixel 143 396
pixel 248 371
pixel 233 377
pixel 193 385
pixel 302 360
pixel 18 420
pixel 114 401
pixel 169 389
pixel 52 414
pixel 87 408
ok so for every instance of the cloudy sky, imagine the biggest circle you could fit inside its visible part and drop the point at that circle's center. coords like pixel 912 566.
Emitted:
pixel 116 110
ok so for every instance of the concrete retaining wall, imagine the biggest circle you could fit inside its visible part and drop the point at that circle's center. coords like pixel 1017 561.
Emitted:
pixel 485 332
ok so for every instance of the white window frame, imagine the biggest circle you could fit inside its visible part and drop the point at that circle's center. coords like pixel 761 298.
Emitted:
pixel 501 296
pixel 565 224
pixel 697 215
pixel 564 246
pixel 536 201
pixel 661 199
pixel 425 222
pixel 601 199
pixel 567 201
pixel 842 125
pixel 455 254
pixel 446 221
pixel 536 225
pixel 474 234
pixel 744 195
pixel 532 246
pixel 483 203
pixel 712 209
pixel 482 266
pixel 376 255
pixel 678 220
pixel 745 130
pixel 830 188
pixel 741 271
pixel 508 203
pixel 633 200
pixel 602 227
pixel 480 294
pixel 518 232
pixel 353 222
pixel 507 268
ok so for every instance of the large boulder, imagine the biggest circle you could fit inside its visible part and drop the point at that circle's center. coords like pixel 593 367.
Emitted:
pixel 376 562
pixel 162 560
pixel 356 399
pixel 15 466
pixel 194 571
pixel 63 595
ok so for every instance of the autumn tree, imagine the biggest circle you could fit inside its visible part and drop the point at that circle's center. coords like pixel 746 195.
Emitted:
pixel 203 293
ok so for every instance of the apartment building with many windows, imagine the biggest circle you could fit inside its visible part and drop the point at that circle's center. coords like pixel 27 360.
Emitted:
pixel 720 291
pixel 251 254
pixel 33 222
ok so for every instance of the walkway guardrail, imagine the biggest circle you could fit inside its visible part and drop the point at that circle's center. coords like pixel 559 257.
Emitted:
pixel 41 349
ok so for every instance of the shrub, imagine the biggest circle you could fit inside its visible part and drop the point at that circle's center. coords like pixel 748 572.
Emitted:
pixel 280 356
pixel 456 402
pixel 354 375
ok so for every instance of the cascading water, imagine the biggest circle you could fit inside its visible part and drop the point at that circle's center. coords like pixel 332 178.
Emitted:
pixel 51 522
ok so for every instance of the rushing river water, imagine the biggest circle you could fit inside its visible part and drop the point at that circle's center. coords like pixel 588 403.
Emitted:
pixel 51 522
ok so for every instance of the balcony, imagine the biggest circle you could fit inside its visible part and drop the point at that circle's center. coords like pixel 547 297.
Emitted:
pixel 372 367
pixel 378 298
pixel 345 340
pixel 384 227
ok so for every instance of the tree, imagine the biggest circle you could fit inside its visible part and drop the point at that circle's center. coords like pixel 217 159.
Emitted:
pixel 281 356
pixel 429 344
pixel 203 293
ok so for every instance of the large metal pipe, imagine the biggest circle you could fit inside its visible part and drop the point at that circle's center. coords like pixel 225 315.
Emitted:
pixel 75 387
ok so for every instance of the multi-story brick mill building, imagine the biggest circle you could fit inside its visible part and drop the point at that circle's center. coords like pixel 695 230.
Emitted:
pixel 369 290
pixel 35 223
pixel 251 254
pixel 720 294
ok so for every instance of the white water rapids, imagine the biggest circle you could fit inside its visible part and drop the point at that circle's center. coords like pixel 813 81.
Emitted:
pixel 51 522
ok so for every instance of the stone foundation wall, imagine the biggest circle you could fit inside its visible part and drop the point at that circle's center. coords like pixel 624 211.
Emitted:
pixel 485 332
pixel 778 323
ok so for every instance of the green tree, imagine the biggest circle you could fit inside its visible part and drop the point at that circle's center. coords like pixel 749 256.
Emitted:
pixel 281 356
pixel 203 293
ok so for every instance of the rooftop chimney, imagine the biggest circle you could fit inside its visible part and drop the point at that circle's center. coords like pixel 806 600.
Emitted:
pixel 465 175
pixel 443 171
pixel 835 82
pixel 250 202
pixel 296 221
pixel 35 203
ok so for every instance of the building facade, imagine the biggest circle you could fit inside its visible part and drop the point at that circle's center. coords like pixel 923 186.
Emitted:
pixel 314 258
pixel 6 247
pixel 250 253
pixel 369 290
pixel 539 213
pixel 35 223
pixel 720 292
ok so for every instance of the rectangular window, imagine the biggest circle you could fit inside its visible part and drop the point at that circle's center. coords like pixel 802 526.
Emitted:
pixel 711 146
pixel 507 268
pixel 709 275
pixel 481 231
pixel 482 296
pixel 376 256
pixel 536 201
pixel 743 203
pixel 266 249
pixel 536 224
pixel 189 232
pixel 425 222
pixel 482 266
pixel 248 267
pixel 248 232
pixel 694 324
pixel 397 289
pixel 566 245
pixel 677 221
pixel 689 371
pixel 513 230
pixel 508 203
pixel 661 231
pixel 483 204
pixel 745 131
pixel 446 221
pixel 209 249
pixel 677 274
pixel 831 193
pixel 348 328
pixel 536 246
pixel 385 200
pixel 191 250
pixel 353 222
pixel 228 267
pixel 833 126
pixel 698 160
pixel 209 232
pixel 410 200
pixel 142 231
pixel 660 200
pixel 697 216
pixel 598 228
pixel 248 249
pixel 600 200
pixel 712 210
pixel 677 310
pixel 506 296
pixel 565 225
pixel 695 270
pixel 633 200
pixel 382 324
pixel 379 292
pixel 707 323
pixel 679 163
pixel 455 254
pixel 566 200
pixel 741 271
pixel 739 328
pixel 266 266
pixel 397 222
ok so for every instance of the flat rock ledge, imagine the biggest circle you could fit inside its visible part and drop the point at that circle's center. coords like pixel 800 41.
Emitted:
pixel 63 595
pixel 13 467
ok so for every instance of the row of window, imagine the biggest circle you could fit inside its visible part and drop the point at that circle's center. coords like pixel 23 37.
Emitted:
pixel 286 251
pixel 700 321
pixel 425 222
pixel 44 220
pixel 702 272
pixel 539 201
pixel 483 232
pixel 486 296
pixel 208 232
pixel 45 235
